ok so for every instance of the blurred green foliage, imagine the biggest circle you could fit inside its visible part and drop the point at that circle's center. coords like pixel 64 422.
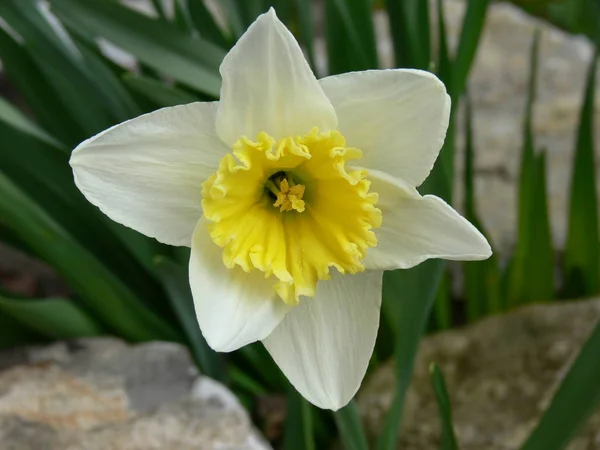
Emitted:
pixel 133 287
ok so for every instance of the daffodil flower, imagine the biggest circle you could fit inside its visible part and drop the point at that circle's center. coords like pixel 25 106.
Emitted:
pixel 295 194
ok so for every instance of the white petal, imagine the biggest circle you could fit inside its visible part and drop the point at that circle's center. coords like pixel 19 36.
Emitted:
pixel 147 173
pixel 268 86
pixel 233 308
pixel 417 228
pixel 398 118
pixel 324 344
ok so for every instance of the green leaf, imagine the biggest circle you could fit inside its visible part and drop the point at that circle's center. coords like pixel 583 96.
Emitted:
pixel 182 19
pixel 582 250
pixel 481 278
pixel 443 304
pixel 470 34
pixel 350 36
pixel 241 380
pixel 410 295
pixel 158 7
pixel 121 102
pixel 448 440
pixel 444 67
pixel 13 117
pixel 298 433
pixel 176 282
pixel 206 25
pixel 157 91
pixel 100 290
pixel 236 15
pixel 27 78
pixel 409 26
pixel 577 398
pixel 261 365
pixel 350 428
pixel 531 271
pixel 55 318
pixel 192 61
pixel 305 32
pixel 58 59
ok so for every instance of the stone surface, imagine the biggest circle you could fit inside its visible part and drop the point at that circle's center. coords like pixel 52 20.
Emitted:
pixel 101 394
pixel 498 86
pixel 501 374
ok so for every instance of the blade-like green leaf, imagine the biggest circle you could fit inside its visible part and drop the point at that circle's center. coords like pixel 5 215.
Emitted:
pixel 13 117
pixel 440 181
pixel 235 15
pixel 55 318
pixel 192 61
pixel 470 34
pixel 109 299
pixel 258 361
pixel 61 64
pixel 582 250
pixel 28 79
pixel 443 304
pixel 444 66
pixel 182 19
pixel 157 91
pixel 298 433
pixel 481 278
pixel 305 29
pixel 121 102
pixel 410 294
pixel 448 440
pixel 158 7
pixel 531 271
pixel 350 36
pixel 206 25
pixel 409 26
pixel 576 399
pixel 176 282
pixel 350 428
pixel 241 380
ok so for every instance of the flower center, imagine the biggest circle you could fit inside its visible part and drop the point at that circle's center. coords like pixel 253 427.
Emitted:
pixel 291 209
pixel 286 193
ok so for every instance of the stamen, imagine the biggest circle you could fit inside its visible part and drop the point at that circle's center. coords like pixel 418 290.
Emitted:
pixel 289 198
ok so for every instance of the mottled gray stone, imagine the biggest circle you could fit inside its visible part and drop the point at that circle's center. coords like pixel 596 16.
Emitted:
pixel 102 394
pixel 501 374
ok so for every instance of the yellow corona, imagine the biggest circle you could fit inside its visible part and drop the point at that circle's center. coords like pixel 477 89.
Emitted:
pixel 292 209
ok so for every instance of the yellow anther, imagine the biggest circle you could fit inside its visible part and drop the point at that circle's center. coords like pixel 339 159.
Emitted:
pixel 290 198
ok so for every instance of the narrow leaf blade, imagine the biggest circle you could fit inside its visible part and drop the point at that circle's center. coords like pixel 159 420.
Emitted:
pixel 176 283
pixel 298 431
pixel 54 318
pixel 448 439
pixel 576 399
pixel 350 428
pixel 582 249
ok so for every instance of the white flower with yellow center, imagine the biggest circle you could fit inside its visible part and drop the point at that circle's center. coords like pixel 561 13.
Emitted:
pixel 295 194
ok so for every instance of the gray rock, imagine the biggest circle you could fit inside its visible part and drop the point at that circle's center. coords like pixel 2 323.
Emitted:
pixel 501 374
pixel 102 394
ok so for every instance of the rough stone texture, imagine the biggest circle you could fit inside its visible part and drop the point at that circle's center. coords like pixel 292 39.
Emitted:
pixel 101 394
pixel 498 86
pixel 501 374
